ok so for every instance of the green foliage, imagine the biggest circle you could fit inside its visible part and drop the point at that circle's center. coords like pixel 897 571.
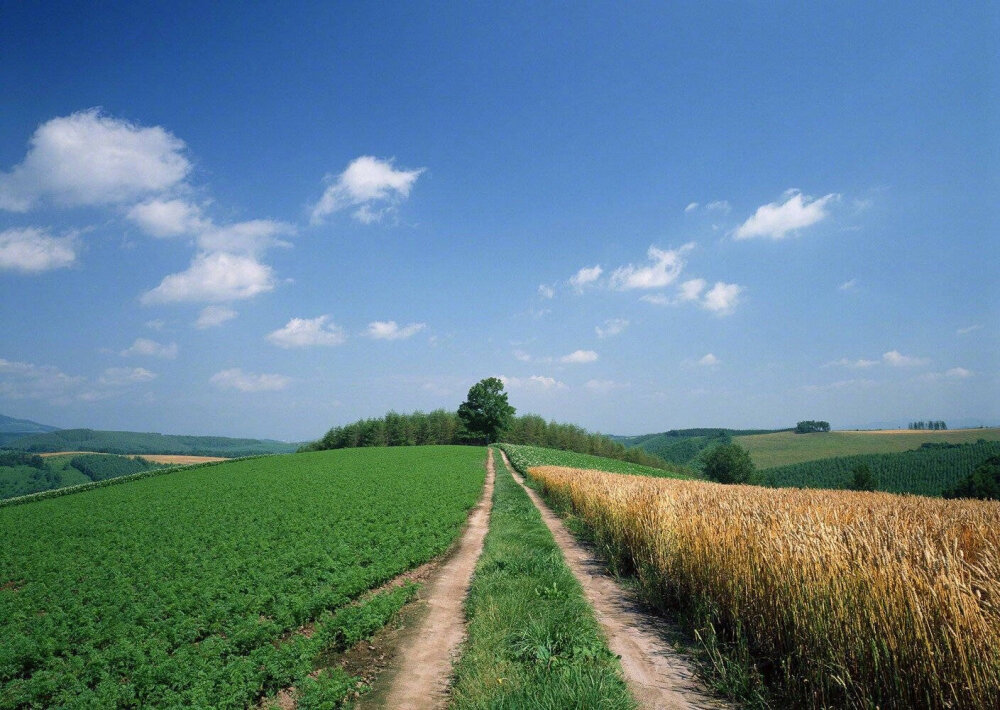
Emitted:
pixel 524 457
pixel 729 463
pixel 328 690
pixel 486 411
pixel 862 478
pixel 130 442
pixel 983 483
pixel 99 467
pixel 21 458
pixel 174 590
pixel 533 641
pixel 812 427
pixel 929 470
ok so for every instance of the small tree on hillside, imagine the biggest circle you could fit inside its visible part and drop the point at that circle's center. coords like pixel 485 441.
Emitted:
pixel 862 478
pixel 729 463
pixel 486 411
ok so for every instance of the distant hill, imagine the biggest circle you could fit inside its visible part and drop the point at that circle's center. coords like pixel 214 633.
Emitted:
pixel 11 428
pixel 686 447
pixel 130 442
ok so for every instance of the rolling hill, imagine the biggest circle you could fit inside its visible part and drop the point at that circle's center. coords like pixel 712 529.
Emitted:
pixel 11 428
pixel 130 442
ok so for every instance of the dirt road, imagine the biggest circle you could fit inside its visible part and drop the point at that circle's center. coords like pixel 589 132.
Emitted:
pixel 658 676
pixel 423 663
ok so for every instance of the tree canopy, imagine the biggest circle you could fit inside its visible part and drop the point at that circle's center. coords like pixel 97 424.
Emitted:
pixel 729 463
pixel 810 427
pixel 486 410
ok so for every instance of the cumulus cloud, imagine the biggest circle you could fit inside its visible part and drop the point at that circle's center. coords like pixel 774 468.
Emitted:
pixel 151 348
pixel 708 360
pixel 611 327
pixel 212 316
pixel 666 266
pixel 897 359
pixel 31 250
pixel 390 330
pixel 722 298
pixel 578 357
pixel 167 218
pixel 90 159
pixel 124 376
pixel 585 276
pixel 236 379
pixel 691 289
pixel 303 332
pixel 537 382
pixel 546 291
pixel 777 219
pixel 214 278
pixel 370 185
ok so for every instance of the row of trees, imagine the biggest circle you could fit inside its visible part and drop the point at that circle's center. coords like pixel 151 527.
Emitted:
pixel 485 417
pixel 811 427
pixel 932 426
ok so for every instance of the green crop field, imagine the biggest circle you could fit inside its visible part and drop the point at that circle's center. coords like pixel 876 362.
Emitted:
pixel 175 590
pixel 783 448
pixel 926 471
pixel 524 457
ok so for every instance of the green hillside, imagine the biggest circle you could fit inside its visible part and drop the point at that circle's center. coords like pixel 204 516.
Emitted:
pixel 11 428
pixel 783 448
pixel 22 473
pixel 185 590
pixel 130 442
pixel 686 447
pixel 929 470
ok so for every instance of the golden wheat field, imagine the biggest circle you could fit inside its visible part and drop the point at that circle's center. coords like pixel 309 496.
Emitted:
pixel 853 599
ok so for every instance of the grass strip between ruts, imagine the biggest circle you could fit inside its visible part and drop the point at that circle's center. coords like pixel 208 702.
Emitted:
pixel 533 641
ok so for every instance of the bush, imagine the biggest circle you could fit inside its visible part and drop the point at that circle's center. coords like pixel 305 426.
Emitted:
pixel 729 463
pixel 862 478
pixel 982 483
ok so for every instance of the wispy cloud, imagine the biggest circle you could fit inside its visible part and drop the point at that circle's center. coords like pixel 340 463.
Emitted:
pixel 777 219
pixel 709 360
pixel 722 206
pixel 546 291
pixel 578 357
pixel 611 327
pixel 212 316
pixel 897 359
pixel 123 376
pixel 692 206
pixel 666 265
pixel 722 298
pixel 860 363
pixel 306 332
pixel 533 382
pixel 604 386
pixel 585 276
pixel 236 379
pixel 968 329
pixel 959 373
pixel 851 285
pixel 390 330
pixel 370 185
pixel 151 348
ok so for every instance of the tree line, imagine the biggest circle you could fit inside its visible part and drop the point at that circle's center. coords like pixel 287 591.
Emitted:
pixel 932 426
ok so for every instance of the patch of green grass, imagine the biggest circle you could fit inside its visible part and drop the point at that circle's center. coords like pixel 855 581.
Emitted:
pixel 783 448
pixel 524 457
pixel 533 641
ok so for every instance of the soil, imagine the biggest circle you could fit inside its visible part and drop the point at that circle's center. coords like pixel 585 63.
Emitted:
pixel 658 676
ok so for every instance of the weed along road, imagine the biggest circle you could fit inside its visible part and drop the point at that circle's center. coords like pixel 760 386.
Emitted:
pixel 425 656
pixel 658 676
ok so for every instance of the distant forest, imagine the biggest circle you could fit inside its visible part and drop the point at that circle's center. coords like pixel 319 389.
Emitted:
pixel 131 442
pixel 444 427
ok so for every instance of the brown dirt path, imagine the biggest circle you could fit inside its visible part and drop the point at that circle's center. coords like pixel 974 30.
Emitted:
pixel 419 674
pixel 658 676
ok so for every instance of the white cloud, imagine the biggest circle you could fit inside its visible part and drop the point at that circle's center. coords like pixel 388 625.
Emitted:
pixel 604 386
pixel 123 376
pixel 156 324
pixel 709 360
pixel 578 357
pixel 657 299
pixel 719 206
pixel 151 348
pixel 585 276
pixel 522 356
pixel 167 218
pixel 856 364
pixel 666 267
pixel 236 379
pixel 546 291
pixel 969 329
pixel 851 285
pixel 691 207
pixel 212 316
pixel 959 373
pixel 90 159
pixel 897 359
pixel 214 278
pixel 722 298
pixel 841 385
pixel 691 290
pixel 23 380
pixel 250 237
pixel 776 220
pixel 366 181
pixel 612 326
pixel 32 250
pixel 303 332
pixel 390 330
pixel 538 382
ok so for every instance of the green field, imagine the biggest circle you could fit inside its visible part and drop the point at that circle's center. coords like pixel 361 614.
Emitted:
pixel 926 471
pixel 781 449
pixel 175 590
pixel 132 442
pixel 523 457
pixel 533 641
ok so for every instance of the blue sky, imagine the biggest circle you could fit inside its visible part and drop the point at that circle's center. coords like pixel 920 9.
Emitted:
pixel 265 222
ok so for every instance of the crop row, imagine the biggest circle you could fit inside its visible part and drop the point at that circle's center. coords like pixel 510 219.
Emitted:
pixel 523 457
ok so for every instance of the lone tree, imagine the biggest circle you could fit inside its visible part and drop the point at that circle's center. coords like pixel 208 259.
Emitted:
pixel 729 463
pixel 486 411
pixel 862 478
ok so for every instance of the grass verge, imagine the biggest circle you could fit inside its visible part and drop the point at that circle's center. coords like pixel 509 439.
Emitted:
pixel 533 640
